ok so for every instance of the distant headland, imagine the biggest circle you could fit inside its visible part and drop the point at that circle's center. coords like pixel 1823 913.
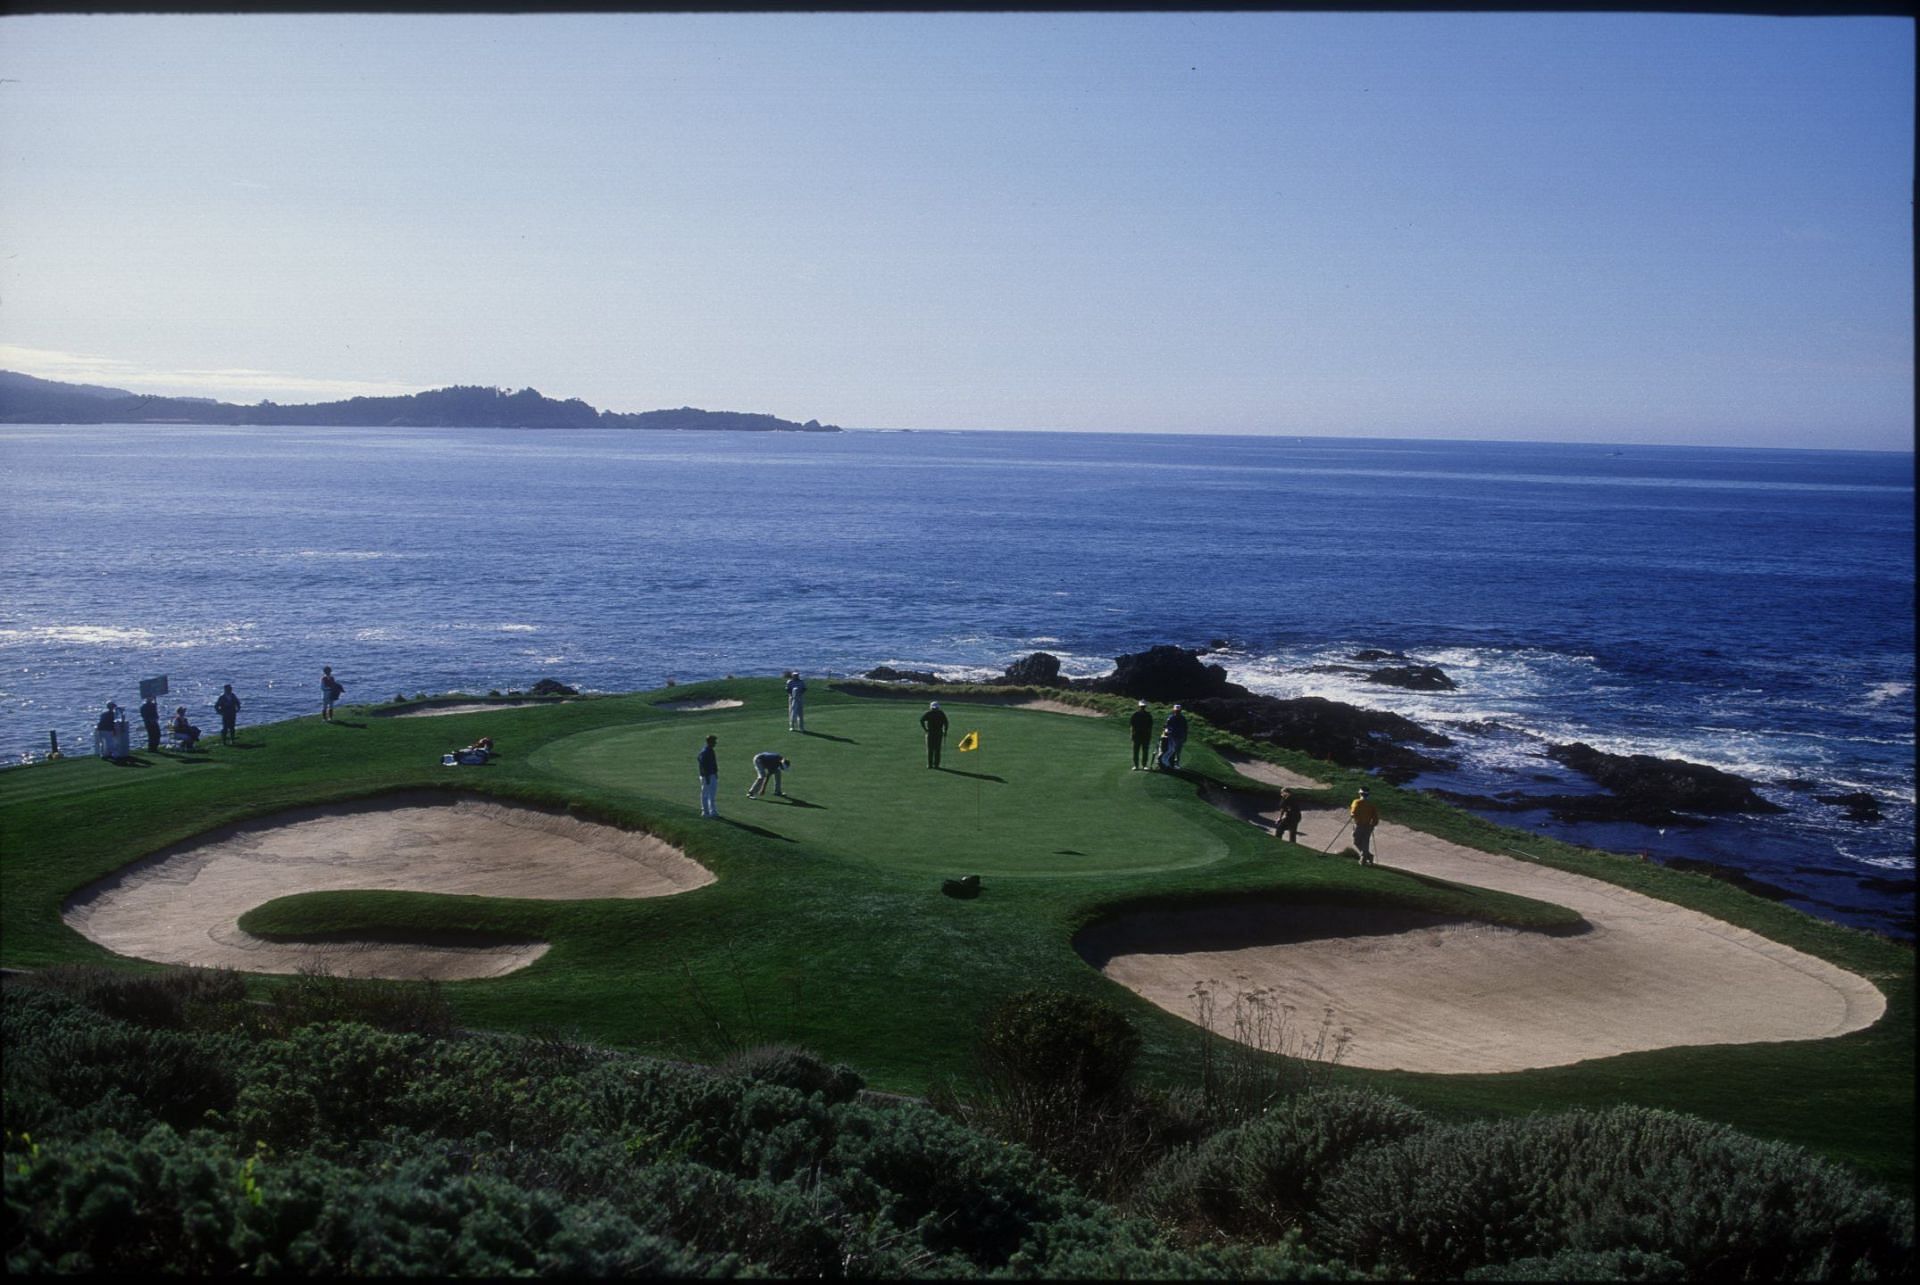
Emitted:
pixel 26 399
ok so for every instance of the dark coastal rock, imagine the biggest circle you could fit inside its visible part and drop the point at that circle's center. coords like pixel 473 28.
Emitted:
pixel 1728 874
pixel 1657 783
pixel 1572 807
pixel 1332 730
pixel 1373 655
pixel 1416 678
pixel 1861 806
pixel 551 687
pixel 1041 669
pixel 1357 670
pixel 1165 673
pixel 888 674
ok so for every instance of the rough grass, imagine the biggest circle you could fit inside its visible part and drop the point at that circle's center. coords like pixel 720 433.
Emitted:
pixel 827 928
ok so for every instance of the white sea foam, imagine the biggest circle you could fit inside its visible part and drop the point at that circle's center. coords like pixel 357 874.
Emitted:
pixel 1882 692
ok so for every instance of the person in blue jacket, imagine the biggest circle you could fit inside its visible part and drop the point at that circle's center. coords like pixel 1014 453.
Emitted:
pixel 796 702
pixel 1176 734
pixel 709 779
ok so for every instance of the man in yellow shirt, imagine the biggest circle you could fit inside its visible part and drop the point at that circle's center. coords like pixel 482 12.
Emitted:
pixel 1365 817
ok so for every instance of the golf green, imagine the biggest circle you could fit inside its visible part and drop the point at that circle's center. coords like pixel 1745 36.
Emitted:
pixel 1044 795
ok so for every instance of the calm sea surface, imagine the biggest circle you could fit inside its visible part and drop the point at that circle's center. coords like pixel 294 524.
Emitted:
pixel 1749 609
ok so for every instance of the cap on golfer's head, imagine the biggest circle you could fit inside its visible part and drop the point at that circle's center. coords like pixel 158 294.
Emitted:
pixel 1363 791
pixel 1176 707
pixel 933 704
pixel 1142 704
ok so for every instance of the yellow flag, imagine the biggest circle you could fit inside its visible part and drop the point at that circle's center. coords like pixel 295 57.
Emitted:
pixel 971 741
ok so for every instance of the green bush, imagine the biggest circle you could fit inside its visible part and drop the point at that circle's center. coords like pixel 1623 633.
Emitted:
pixel 1452 1199
pixel 1586 1265
pixel 795 1069
pixel 1056 1039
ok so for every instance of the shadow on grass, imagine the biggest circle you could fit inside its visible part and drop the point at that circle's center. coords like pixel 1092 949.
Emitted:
pixel 341 722
pixel 754 829
pixel 844 740
pixel 795 801
pixel 978 776
pixel 131 761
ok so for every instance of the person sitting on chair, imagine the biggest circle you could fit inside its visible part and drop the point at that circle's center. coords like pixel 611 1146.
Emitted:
pixel 186 733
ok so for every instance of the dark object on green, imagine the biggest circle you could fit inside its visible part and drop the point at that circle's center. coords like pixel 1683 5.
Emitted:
pixel 965 887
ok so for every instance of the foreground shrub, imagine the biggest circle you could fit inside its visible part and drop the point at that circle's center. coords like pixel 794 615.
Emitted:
pixel 1453 1199
pixel 172 999
pixel 795 1069
pixel 1261 1178
pixel 1059 1041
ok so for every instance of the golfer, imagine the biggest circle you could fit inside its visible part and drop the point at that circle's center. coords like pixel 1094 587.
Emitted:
pixel 934 724
pixel 796 702
pixel 1142 726
pixel 330 692
pixel 1177 733
pixel 709 779
pixel 1287 825
pixel 767 766
pixel 1365 817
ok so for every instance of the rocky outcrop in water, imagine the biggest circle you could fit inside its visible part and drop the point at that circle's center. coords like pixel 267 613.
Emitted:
pixel 1657 783
pixel 1373 655
pixel 1861 807
pixel 551 687
pixel 1572 807
pixel 1416 678
pixel 1164 673
pixel 1340 733
pixel 1041 669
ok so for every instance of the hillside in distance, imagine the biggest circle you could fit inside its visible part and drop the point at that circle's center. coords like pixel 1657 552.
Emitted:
pixel 26 399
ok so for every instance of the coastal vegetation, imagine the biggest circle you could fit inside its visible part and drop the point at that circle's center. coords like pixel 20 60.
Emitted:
pixel 708 1082
pixel 25 399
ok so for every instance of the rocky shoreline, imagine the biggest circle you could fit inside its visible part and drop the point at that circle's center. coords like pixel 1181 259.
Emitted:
pixel 1636 788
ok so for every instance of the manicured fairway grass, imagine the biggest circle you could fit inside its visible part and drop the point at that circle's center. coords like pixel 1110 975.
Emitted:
pixel 1040 798
pixel 827 926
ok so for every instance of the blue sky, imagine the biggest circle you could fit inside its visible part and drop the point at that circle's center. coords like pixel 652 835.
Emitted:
pixel 1610 227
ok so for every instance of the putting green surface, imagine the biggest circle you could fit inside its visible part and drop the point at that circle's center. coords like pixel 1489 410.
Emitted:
pixel 1045 796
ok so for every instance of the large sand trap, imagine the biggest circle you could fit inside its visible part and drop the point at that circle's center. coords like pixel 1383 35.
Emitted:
pixel 1057 707
pixel 693 706
pixel 1269 773
pixel 180 905
pixel 438 710
pixel 1421 994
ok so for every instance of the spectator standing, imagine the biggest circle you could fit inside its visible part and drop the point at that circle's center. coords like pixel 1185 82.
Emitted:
pixel 709 763
pixel 796 702
pixel 150 719
pixel 330 692
pixel 934 724
pixel 227 705
pixel 1141 725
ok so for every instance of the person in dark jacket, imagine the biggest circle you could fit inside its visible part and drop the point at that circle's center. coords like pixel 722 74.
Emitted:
pixel 227 705
pixel 330 692
pixel 1287 825
pixel 934 724
pixel 150 718
pixel 1141 725
pixel 709 764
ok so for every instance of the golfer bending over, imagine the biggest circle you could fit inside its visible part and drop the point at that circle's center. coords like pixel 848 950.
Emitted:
pixel 767 766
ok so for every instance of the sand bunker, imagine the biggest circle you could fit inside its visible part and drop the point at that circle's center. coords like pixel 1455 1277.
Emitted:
pixel 438 710
pixel 180 905
pixel 691 706
pixel 1418 993
pixel 1269 773
pixel 1057 707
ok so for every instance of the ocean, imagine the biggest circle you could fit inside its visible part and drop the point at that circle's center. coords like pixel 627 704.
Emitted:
pixel 1748 609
